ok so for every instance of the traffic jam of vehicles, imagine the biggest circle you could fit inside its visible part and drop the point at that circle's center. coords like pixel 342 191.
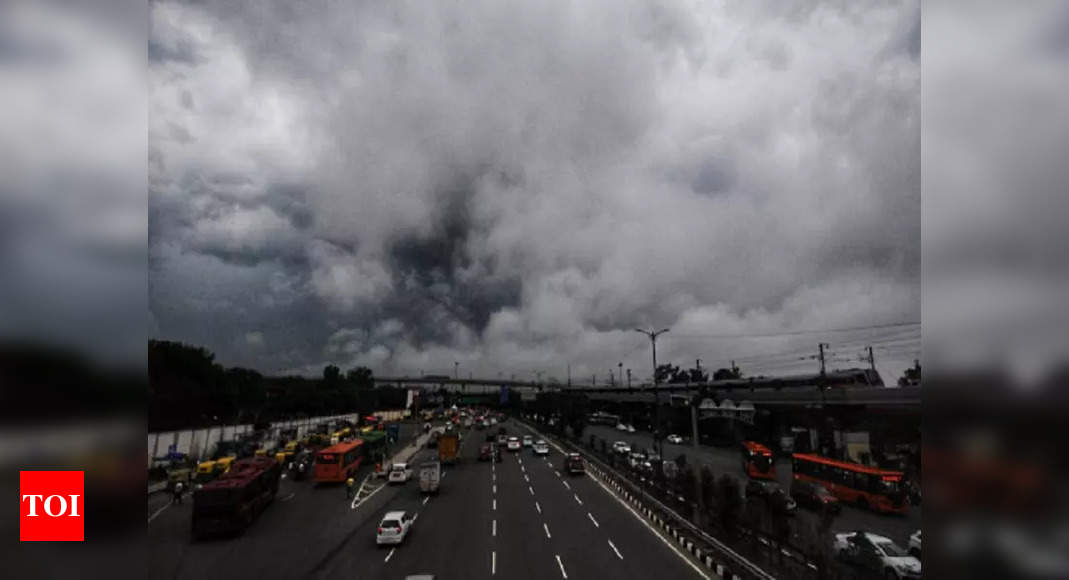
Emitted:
pixel 240 479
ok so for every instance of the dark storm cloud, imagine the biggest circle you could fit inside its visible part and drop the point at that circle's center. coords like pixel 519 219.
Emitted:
pixel 516 185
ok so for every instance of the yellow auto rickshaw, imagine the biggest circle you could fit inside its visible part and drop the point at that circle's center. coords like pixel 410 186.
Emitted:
pixel 222 465
pixel 261 452
pixel 205 472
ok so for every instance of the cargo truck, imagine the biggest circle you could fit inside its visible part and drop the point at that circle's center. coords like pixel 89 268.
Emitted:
pixel 448 447
pixel 230 503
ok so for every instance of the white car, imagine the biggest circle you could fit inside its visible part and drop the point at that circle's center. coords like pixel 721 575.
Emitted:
pixel 878 554
pixel 630 428
pixel 621 427
pixel 915 545
pixel 540 448
pixel 394 527
pixel 513 444
pixel 400 473
pixel 674 439
pixel 527 441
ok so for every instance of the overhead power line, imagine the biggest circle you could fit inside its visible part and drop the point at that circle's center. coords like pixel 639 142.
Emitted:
pixel 792 332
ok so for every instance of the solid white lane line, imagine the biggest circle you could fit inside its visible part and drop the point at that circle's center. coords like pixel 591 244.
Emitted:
pixel 591 516
pixel 613 546
pixel 577 500
pixel 426 499
pixel 566 485
pixel 493 563
pixel 650 528
pixel 545 527
pixel 530 489
pixel 561 564
pixel 388 556
pixel 495 505
pixel 538 507
pixel 158 512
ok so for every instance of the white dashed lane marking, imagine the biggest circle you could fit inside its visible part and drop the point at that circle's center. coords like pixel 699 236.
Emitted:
pixel 613 546
pixel 562 572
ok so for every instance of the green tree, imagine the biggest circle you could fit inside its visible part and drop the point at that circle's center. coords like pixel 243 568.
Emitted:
pixel 361 377
pixel 666 372
pixel 331 373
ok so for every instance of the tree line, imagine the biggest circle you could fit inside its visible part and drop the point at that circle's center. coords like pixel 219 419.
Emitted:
pixel 188 388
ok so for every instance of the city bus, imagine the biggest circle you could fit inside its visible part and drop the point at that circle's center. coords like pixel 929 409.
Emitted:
pixel 338 462
pixel 868 487
pixel 757 461
pixel 601 418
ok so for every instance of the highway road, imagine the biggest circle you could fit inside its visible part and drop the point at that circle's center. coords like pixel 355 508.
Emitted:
pixel 521 518
pixel 727 461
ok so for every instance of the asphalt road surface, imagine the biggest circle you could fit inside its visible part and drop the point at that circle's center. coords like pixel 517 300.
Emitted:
pixel 721 461
pixel 521 518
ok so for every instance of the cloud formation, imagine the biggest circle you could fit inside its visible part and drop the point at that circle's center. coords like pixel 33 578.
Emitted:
pixel 516 186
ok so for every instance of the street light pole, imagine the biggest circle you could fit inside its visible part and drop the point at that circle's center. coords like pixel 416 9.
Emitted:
pixel 656 406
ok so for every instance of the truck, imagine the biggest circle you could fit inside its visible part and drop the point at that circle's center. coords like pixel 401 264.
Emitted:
pixel 430 475
pixel 448 446
pixel 232 502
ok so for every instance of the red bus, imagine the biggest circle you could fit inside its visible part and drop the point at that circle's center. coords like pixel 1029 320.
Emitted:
pixel 338 462
pixel 861 485
pixel 757 461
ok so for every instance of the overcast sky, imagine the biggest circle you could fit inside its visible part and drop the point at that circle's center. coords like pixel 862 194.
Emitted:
pixel 516 186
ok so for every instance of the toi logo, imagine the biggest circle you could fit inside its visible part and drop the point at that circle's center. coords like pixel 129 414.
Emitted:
pixel 51 506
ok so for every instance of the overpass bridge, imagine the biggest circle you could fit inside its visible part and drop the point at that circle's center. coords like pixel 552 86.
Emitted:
pixel 785 396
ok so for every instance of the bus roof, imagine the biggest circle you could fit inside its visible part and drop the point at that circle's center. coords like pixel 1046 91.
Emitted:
pixel 242 472
pixel 339 448
pixel 755 446
pixel 373 436
pixel 847 465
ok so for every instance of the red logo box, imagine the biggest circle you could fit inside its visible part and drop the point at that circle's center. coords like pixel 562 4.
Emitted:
pixel 51 506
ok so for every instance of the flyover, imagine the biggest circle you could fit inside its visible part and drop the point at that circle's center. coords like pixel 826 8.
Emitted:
pixel 755 392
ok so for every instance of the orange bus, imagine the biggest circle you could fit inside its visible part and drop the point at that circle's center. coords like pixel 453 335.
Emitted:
pixel 861 485
pixel 338 462
pixel 757 461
